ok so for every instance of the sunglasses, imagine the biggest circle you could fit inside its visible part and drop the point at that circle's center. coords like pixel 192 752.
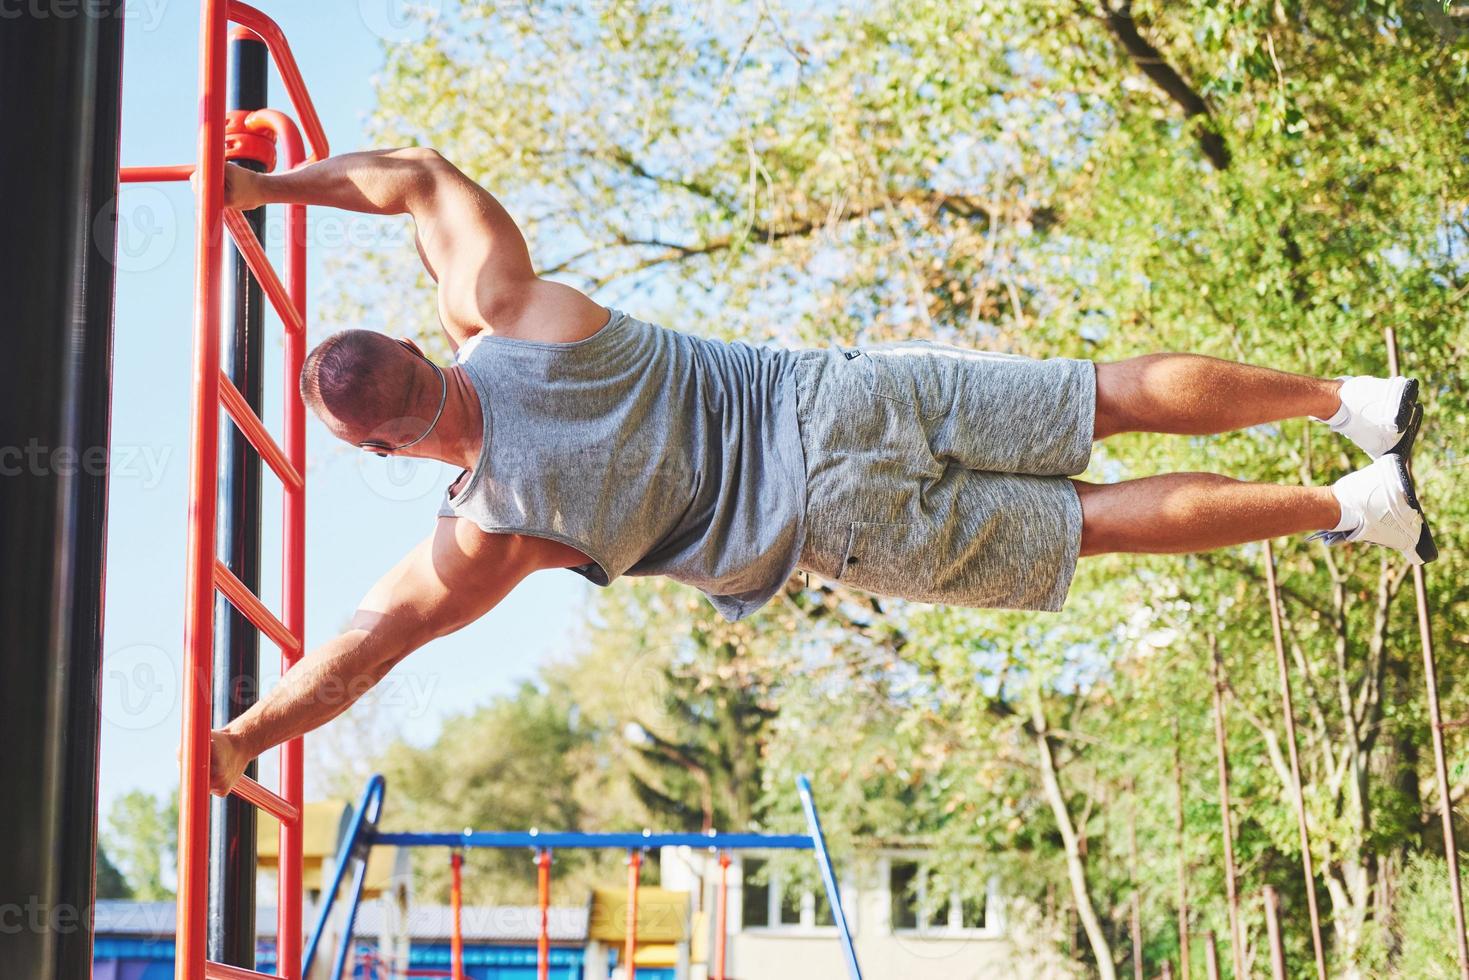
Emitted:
pixel 379 448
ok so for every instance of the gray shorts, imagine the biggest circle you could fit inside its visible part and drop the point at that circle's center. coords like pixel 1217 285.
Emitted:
pixel 938 474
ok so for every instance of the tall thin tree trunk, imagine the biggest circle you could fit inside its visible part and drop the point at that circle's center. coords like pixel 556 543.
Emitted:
pixel 1231 892
pixel 1185 962
pixel 1135 917
pixel 1075 864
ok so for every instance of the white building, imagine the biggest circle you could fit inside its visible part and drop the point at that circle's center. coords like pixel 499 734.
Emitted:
pixel 780 930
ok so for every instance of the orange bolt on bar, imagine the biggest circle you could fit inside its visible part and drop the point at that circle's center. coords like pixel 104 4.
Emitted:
pixel 240 140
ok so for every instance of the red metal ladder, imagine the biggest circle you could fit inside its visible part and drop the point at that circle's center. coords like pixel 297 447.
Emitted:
pixel 213 390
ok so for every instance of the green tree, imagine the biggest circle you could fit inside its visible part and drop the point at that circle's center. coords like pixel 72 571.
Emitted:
pixel 1274 181
pixel 521 761
pixel 695 710
pixel 110 881
pixel 142 838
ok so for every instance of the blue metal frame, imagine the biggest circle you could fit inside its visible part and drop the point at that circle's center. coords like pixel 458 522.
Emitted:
pixel 362 836
pixel 828 877
pixel 359 878
pixel 499 839
pixel 356 843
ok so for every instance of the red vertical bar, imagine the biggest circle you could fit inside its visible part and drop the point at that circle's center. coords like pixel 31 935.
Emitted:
pixel 456 904
pixel 293 552
pixel 630 949
pixel 721 916
pixel 193 870
pixel 543 899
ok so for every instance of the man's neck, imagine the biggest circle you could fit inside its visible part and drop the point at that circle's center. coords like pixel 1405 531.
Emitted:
pixel 458 437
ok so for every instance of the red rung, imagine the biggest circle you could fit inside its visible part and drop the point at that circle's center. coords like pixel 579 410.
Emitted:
pixel 285 63
pixel 255 257
pixel 254 610
pixel 249 423
pixel 139 175
pixel 274 804
pixel 221 971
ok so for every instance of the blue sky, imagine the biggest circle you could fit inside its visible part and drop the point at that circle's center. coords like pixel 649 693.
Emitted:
pixel 362 513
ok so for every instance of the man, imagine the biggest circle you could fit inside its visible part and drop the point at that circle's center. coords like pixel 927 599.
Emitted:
pixel 592 441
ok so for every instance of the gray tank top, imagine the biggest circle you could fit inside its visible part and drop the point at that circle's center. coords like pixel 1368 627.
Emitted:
pixel 650 451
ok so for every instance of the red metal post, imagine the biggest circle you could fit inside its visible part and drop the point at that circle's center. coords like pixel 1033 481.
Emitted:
pixel 456 904
pixel 721 916
pixel 193 871
pixel 630 948
pixel 202 570
pixel 293 551
pixel 543 899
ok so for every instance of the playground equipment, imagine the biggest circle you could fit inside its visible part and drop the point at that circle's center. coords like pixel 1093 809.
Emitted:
pixel 223 946
pixel 362 835
pixel 250 135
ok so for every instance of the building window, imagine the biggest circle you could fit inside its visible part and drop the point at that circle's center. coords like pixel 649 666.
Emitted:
pixel 916 907
pixel 822 912
pixel 755 908
pixel 904 890
pixel 769 900
pixel 972 912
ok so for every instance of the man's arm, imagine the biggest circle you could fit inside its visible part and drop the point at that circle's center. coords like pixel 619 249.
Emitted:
pixel 468 241
pixel 451 579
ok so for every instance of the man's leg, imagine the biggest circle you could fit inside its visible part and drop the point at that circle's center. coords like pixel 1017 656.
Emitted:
pixel 1186 512
pixel 1189 394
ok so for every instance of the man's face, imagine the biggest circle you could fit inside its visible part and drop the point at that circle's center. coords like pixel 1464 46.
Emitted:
pixel 398 434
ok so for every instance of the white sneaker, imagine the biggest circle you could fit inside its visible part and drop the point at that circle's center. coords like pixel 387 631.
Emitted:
pixel 1380 499
pixel 1381 415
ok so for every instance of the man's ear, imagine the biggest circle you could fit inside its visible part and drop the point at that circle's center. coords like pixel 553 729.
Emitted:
pixel 408 341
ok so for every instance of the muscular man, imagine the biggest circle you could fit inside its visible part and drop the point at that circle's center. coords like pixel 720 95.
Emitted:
pixel 593 441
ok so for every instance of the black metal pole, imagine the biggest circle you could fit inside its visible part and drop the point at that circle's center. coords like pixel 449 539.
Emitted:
pixel 60 89
pixel 236 643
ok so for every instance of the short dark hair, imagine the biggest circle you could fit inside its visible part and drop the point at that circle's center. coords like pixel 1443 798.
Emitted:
pixel 358 380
